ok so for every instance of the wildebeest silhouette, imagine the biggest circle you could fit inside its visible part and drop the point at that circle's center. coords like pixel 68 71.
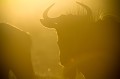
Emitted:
pixel 15 52
pixel 86 45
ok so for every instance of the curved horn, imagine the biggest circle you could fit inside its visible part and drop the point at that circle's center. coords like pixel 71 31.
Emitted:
pixel 46 12
pixel 89 11
pixel 47 21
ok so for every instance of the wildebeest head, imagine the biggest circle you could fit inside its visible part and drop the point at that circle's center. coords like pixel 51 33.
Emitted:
pixel 69 27
pixel 66 20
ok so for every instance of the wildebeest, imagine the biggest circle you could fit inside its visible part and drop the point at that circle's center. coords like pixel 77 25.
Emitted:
pixel 87 46
pixel 15 52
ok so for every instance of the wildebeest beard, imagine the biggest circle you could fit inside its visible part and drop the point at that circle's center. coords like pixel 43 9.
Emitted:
pixel 86 45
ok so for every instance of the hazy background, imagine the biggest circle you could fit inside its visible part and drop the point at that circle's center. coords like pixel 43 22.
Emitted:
pixel 26 15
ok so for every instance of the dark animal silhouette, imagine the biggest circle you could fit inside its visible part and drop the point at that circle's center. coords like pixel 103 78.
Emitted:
pixel 86 45
pixel 15 53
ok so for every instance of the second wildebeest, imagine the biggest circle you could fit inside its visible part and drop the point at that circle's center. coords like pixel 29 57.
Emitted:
pixel 15 52
pixel 87 46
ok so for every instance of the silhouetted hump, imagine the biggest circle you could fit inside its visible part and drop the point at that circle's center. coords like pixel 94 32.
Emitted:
pixel 12 33
pixel 4 27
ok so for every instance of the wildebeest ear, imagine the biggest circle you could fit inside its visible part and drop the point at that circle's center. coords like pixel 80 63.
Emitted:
pixel 110 21
pixel 42 22
pixel 110 18
pixel 48 23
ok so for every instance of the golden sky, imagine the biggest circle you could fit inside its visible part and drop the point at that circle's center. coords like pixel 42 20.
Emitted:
pixel 30 11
